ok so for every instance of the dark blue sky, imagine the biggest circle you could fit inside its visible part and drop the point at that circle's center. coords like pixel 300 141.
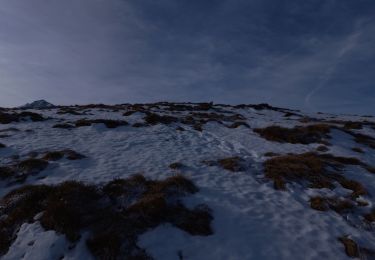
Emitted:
pixel 313 54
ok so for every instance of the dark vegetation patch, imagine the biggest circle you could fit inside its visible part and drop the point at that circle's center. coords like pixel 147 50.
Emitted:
pixel 2 145
pixel 271 154
pixel 115 214
pixel 11 129
pixel 69 111
pixel 353 125
pixel 370 217
pixel 313 170
pixel 7 118
pixel 64 126
pixel 20 170
pixel 357 150
pixel 154 119
pixel 139 125
pixel 129 113
pixel 6 172
pixel 176 166
pixel 107 122
pixel 31 166
pixel 351 247
pixel 67 153
pixel 363 139
pixel 233 164
pixel 316 133
pixel 238 124
pixel 263 106
pixel 339 205
pixel 217 117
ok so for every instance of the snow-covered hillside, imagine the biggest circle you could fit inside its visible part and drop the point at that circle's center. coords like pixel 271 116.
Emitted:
pixel 266 183
pixel 38 104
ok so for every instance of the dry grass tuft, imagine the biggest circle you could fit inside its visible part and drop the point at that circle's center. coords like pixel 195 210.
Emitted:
pixel 318 203
pixel 351 247
pixel 234 164
pixel 299 134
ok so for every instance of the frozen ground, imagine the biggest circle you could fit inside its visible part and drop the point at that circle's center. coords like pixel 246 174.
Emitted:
pixel 252 220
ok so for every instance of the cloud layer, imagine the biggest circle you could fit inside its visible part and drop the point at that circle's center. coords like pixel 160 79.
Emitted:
pixel 311 55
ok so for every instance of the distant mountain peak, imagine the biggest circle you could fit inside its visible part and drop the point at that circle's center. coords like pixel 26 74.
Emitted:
pixel 38 104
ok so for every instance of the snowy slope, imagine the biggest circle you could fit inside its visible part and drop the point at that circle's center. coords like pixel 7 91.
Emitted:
pixel 252 220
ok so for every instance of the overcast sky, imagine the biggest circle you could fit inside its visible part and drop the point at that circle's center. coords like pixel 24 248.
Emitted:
pixel 314 55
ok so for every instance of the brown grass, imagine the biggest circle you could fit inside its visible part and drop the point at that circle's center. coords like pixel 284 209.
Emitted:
pixel 318 203
pixel 299 134
pixel 341 206
pixel 114 226
pixel 357 188
pixel 316 170
pixel 351 247
pixel 234 164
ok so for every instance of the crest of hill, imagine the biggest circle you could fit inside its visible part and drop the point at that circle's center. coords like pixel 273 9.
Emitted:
pixel 38 104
